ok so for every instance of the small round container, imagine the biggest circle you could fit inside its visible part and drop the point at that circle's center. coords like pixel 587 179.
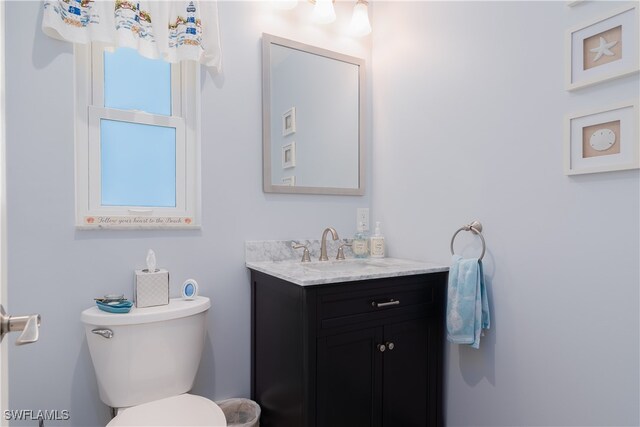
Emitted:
pixel 189 289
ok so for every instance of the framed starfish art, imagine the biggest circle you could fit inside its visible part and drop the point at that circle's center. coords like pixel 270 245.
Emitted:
pixel 603 49
pixel 602 140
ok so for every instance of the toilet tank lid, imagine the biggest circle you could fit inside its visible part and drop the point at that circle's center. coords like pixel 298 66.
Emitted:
pixel 176 308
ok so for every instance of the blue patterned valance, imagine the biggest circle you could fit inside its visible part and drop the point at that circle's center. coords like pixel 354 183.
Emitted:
pixel 171 30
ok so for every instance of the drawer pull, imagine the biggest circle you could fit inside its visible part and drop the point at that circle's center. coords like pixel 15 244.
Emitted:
pixel 390 346
pixel 385 304
pixel 381 348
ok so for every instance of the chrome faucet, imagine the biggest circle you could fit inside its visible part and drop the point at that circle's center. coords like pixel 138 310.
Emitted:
pixel 323 244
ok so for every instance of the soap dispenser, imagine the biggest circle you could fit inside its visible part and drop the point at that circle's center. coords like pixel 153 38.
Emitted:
pixel 360 245
pixel 377 243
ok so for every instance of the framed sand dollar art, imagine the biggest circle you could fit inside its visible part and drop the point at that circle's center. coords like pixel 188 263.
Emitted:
pixel 603 140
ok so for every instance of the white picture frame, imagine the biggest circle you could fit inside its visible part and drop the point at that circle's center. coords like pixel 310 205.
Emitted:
pixel 289 121
pixel 610 61
pixel 289 181
pixel 289 155
pixel 602 140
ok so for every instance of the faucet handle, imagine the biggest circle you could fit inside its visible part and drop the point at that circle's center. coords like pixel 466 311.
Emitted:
pixel 341 250
pixel 305 254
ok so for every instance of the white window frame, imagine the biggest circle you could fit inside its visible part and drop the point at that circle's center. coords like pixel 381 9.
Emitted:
pixel 185 118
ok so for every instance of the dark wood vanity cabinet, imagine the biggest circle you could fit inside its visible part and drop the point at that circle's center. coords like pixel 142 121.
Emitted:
pixel 355 354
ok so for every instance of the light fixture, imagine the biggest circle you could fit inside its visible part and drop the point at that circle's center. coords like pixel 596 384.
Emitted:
pixel 323 12
pixel 285 4
pixel 360 25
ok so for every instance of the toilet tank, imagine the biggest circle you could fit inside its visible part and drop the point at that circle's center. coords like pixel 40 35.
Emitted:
pixel 154 352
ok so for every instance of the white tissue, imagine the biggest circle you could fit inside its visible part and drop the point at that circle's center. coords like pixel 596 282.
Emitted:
pixel 151 261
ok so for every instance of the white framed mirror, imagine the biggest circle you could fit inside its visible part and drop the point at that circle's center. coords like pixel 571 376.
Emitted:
pixel 312 119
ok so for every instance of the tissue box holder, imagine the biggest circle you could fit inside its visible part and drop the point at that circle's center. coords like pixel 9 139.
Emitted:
pixel 151 289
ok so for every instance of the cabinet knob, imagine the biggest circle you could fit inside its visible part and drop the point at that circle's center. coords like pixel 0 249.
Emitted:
pixel 390 346
pixel 382 348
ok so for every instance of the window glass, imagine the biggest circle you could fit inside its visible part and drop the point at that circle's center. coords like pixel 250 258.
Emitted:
pixel 132 82
pixel 137 164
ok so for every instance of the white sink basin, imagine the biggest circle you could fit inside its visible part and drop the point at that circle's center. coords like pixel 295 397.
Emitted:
pixel 345 266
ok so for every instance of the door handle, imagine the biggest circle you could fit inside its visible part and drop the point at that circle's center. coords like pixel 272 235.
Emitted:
pixel 29 325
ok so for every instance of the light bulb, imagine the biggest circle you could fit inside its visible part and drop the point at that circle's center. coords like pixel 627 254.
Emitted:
pixel 360 25
pixel 323 12
pixel 284 4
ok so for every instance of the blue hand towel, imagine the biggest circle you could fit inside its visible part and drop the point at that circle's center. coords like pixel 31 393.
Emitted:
pixel 467 304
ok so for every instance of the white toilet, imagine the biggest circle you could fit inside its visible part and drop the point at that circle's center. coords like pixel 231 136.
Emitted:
pixel 146 362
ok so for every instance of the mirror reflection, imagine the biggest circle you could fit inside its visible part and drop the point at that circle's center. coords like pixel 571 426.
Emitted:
pixel 311 119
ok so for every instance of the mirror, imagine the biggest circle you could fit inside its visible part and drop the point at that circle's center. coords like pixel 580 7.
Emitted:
pixel 312 119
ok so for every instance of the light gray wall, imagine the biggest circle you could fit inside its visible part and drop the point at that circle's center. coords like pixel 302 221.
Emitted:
pixel 56 271
pixel 469 103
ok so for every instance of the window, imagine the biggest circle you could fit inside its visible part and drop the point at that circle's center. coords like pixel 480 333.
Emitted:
pixel 137 140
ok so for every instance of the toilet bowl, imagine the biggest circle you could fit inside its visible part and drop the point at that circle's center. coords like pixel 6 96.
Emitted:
pixel 146 361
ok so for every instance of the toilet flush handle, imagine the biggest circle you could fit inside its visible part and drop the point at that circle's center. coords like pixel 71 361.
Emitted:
pixel 104 332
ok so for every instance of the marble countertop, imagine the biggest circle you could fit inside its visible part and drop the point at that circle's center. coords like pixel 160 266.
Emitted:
pixel 349 270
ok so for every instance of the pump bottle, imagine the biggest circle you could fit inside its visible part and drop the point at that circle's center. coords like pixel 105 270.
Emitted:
pixel 377 243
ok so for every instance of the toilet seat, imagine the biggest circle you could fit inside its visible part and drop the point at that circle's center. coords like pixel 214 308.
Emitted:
pixel 183 410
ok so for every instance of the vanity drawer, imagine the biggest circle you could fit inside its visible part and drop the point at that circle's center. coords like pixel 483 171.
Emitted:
pixel 353 303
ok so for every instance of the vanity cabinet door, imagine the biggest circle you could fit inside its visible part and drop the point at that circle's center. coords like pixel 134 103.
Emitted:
pixel 349 379
pixel 411 373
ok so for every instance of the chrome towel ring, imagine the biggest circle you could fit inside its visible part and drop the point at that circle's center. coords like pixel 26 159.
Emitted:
pixel 476 228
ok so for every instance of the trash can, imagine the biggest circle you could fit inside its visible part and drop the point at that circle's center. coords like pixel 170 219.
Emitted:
pixel 240 412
